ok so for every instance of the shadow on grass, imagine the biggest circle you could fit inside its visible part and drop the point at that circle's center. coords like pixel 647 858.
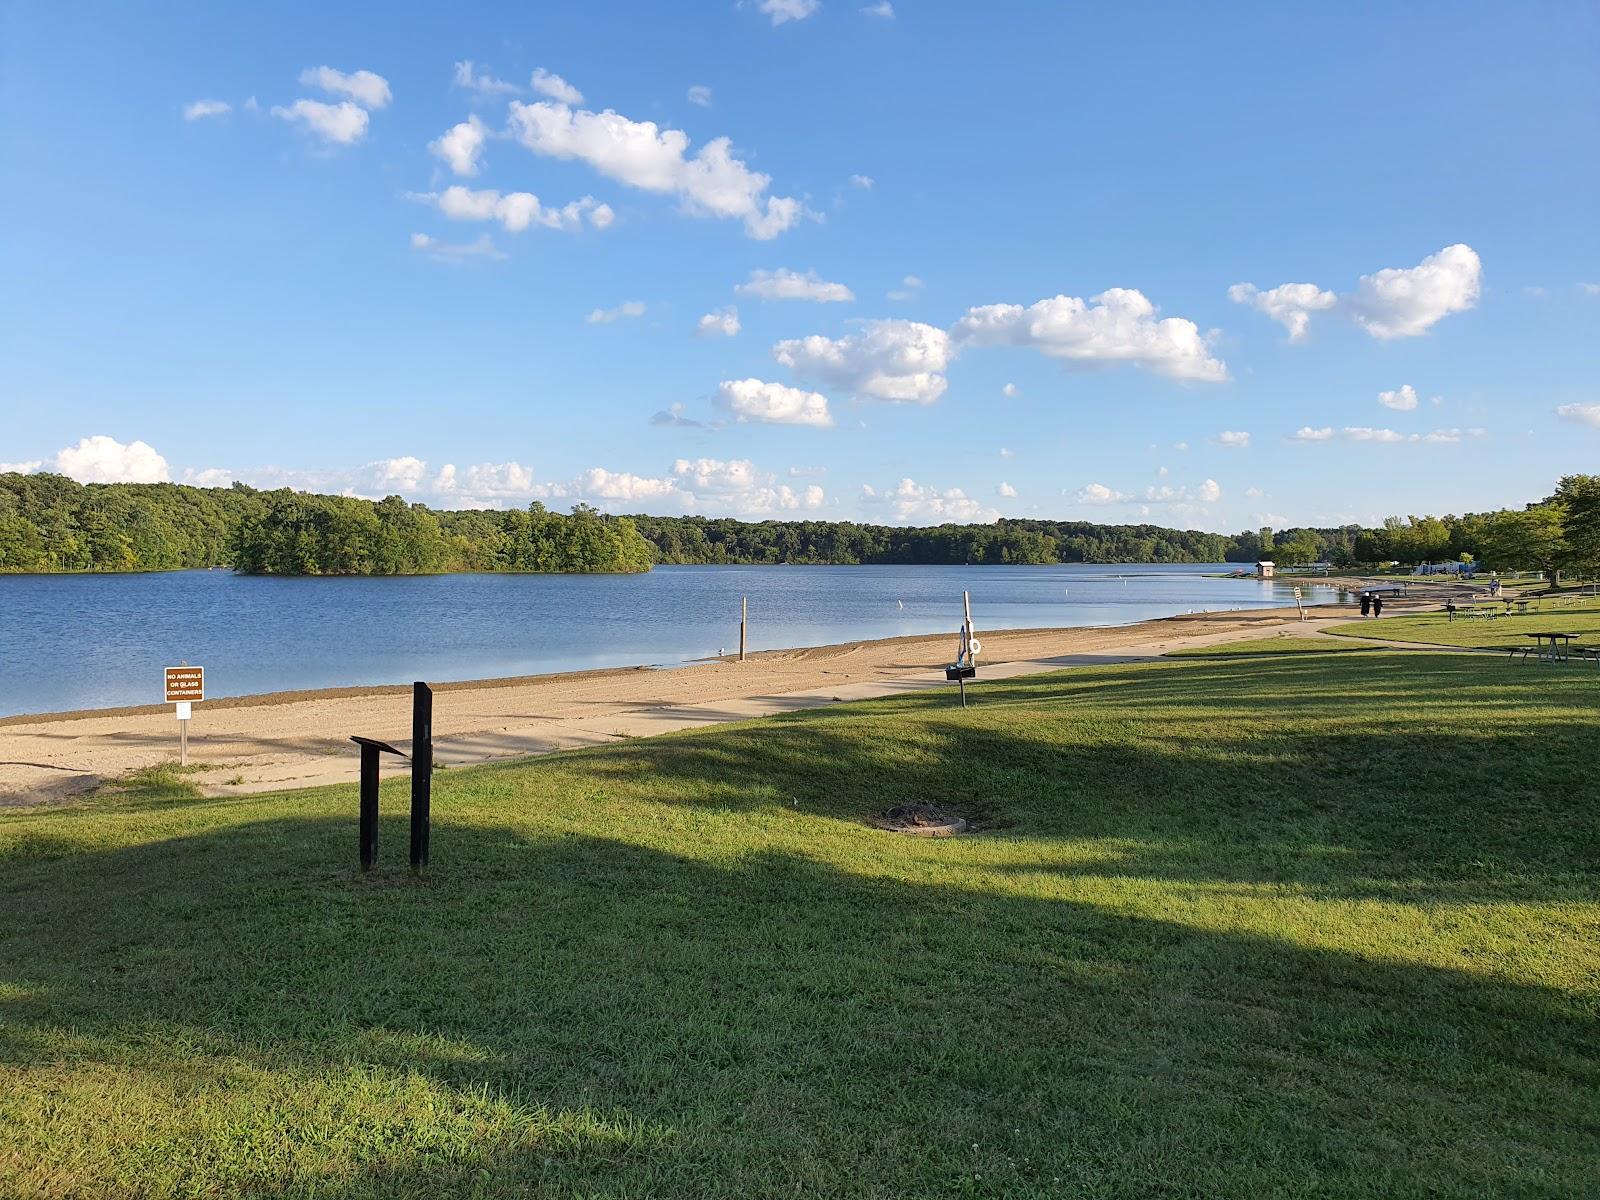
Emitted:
pixel 578 1015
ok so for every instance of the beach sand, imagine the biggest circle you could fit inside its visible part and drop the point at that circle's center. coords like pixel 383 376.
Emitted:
pixel 299 739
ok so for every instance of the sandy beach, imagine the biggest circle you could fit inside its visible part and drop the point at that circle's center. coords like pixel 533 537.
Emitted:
pixel 297 739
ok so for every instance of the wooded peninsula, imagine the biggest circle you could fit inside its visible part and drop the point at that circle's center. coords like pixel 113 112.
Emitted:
pixel 49 523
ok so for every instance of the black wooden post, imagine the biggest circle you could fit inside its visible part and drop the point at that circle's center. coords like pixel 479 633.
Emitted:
pixel 421 772
pixel 369 805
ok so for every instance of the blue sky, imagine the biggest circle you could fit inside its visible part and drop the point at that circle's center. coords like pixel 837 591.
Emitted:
pixel 950 262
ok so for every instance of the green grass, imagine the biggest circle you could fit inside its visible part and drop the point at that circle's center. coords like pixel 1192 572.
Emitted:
pixel 1438 630
pixel 1267 645
pixel 1325 926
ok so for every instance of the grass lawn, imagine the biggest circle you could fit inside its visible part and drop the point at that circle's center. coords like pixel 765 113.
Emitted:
pixel 1325 926
pixel 1437 629
pixel 1268 645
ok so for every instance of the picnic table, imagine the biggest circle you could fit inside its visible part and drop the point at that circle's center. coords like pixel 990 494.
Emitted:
pixel 1550 646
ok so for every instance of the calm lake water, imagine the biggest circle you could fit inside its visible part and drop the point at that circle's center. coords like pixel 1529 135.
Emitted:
pixel 89 641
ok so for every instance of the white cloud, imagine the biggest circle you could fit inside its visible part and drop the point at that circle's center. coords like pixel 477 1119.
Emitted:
pixel 206 108
pixel 911 502
pixel 700 94
pixel 1180 445
pixel 1005 453
pixel 1006 490
pixel 1290 304
pixel 789 10
pixel 1099 493
pixel 1405 302
pixel 1208 492
pixel 1392 303
pixel 102 459
pixel 673 415
pixel 482 247
pixel 1234 437
pixel 1119 325
pixel 773 403
pixel 722 323
pixel 1583 414
pixel 21 468
pixel 909 287
pixel 881 9
pixel 462 145
pixel 467 76
pixel 365 88
pixel 517 210
pixel 1589 289
pixel 864 182
pixel 211 477
pixel 344 123
pixel 899 361
pixel 547 83
pixel 784 284
pixel 640 154
pixel 604 316
pixel 1307 434
pixel 1253 493
pixel 1009 390
pixel 1367 433
pixel 1403 399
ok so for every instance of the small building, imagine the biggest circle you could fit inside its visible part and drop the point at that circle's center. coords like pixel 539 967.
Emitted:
pixel 1264 570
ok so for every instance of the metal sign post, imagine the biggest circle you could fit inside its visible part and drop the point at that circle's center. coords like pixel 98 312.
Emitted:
pixel 184 685
pixel 966 666
pixel 744 620
pixel 1297 603
pixel 421 772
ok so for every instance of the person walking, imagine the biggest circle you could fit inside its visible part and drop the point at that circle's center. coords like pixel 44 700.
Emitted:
pixel 1366 603
pixel 1377 606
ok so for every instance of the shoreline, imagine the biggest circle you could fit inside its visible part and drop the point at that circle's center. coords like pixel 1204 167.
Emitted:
pixel 300 738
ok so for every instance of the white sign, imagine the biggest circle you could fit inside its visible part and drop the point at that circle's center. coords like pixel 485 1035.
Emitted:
pixel 184 709
pixel 974 646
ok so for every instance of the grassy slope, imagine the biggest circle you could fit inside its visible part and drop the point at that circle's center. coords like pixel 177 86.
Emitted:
pixel 1319 926
pixel 1437 629
pixel 1267 645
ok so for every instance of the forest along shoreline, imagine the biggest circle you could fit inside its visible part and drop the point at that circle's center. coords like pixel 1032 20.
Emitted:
pixel 299 739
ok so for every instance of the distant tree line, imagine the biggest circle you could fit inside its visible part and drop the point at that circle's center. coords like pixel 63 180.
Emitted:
pixel 51 523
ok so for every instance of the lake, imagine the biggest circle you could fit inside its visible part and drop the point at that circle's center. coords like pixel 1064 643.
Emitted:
pixel 92 641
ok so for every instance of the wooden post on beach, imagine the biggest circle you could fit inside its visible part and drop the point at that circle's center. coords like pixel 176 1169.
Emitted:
pixel 744 619
pixel 421 773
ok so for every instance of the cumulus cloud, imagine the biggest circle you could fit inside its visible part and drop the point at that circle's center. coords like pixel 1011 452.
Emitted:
pixel 547 83
pixel 1403 398
pixel 1589 289
pixel 1395 302
pixel 366 89
pixel 1290 304
pixel 909 287
pixel 773 403
pixel 604 316
pixel 784 284
pixel 343 124
pixel 469 77
pixel 673 415
pixel 1405 302
pixel 640 154
pixel 1367 433
pixel 21 468
pixel 864 182
pixel 516 211
pixel 789 10
pixel 700 94
pixel 1006 490
pixel 201 109
pixel 1583 414
pixel 1234 437
pixel 1099 493
pixel 722 323
pixel 881 9
pixel 900 361
pixel 915 503
pixel 482 247
pixel 1009 390
pixel 102 459
pixel 462 145
pixel 1006 453
pixel 1117 326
